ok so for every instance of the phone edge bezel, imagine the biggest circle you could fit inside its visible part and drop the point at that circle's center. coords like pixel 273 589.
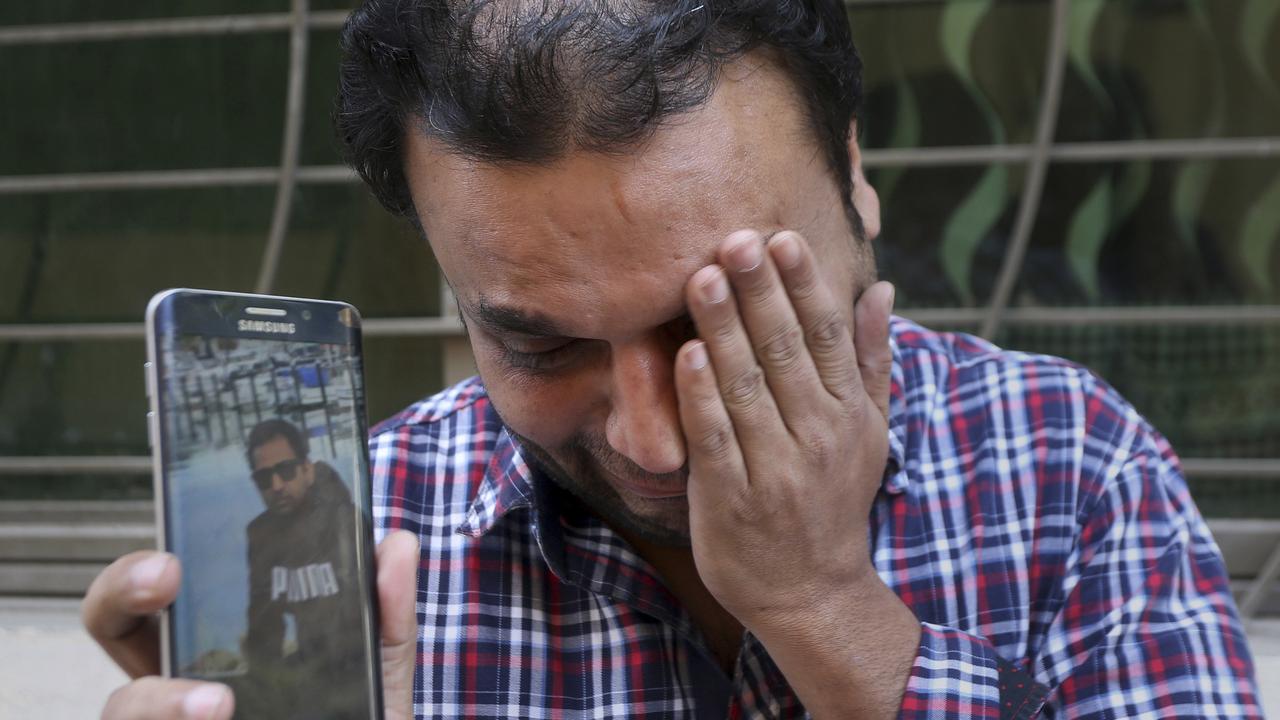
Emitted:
pixel 154 437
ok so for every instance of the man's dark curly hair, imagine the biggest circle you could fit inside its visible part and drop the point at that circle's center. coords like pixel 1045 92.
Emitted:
pixel 268 430
pixel 528 81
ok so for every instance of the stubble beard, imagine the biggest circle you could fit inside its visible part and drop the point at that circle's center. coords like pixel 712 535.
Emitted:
pixel 583 467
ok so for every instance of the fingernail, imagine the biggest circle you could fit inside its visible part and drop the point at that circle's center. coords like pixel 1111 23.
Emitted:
pixel 697 356
pixel 203 702
pixel 893 297
pixel 145 574
pixel 786 250
pixel 746 255
pixel 715 289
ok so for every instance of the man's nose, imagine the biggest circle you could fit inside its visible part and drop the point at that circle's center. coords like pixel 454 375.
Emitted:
pixel 277 482
pixel 644 421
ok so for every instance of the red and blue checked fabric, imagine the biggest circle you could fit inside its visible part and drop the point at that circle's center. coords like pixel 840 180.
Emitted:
pixel 1037 526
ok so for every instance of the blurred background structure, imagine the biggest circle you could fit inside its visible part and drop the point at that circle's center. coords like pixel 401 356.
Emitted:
pixel 1096 179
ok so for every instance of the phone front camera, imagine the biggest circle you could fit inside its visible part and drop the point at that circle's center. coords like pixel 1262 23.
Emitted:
pixel 306 314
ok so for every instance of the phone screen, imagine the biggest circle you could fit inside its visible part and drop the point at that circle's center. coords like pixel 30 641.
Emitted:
pixel 266 499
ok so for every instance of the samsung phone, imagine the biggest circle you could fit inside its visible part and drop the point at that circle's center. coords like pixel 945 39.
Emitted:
pixel 258 431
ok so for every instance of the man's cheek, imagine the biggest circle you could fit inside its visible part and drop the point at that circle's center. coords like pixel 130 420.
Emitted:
pixel 549 412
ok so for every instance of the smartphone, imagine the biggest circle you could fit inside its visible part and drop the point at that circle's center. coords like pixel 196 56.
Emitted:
pixel 258 436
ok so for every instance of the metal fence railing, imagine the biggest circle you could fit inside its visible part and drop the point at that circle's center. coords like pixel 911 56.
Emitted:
pixel 302 20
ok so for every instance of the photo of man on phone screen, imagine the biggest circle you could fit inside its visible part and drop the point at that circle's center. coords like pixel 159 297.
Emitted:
pixel 302 582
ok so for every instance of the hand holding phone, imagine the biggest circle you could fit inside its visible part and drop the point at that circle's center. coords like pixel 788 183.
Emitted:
pixel 120 612
pixel 263 498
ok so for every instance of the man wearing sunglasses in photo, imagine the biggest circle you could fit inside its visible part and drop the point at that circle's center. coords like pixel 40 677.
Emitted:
pixel 299 574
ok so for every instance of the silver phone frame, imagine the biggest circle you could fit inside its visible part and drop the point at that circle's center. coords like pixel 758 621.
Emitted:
pixel 154 437
pixel 157 456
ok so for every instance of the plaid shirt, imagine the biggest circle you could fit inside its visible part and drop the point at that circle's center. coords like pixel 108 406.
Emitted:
pixel 1036 525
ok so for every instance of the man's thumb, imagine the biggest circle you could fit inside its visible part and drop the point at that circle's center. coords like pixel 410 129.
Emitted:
pixel 397 560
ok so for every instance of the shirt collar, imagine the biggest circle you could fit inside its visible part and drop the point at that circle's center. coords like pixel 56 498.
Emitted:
pixel 578 549
pixel 507 485
pixel 508 482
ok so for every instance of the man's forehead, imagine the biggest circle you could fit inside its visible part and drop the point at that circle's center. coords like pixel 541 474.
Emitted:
pixel 276 445
pixel 580 274
pixel 717 164
pixel 593 239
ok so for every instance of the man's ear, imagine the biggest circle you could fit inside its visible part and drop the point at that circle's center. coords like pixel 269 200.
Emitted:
pixel 865 199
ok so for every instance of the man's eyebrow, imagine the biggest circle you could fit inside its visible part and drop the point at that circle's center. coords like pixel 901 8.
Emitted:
pixel 513 320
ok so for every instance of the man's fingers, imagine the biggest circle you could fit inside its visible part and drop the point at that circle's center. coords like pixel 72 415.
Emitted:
pixel 397 560
pixel 875 358
pixel 775 333
pixel 153 698
pixel 745 393
pixel 714 453
pixel 120 606
pixel 826 329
